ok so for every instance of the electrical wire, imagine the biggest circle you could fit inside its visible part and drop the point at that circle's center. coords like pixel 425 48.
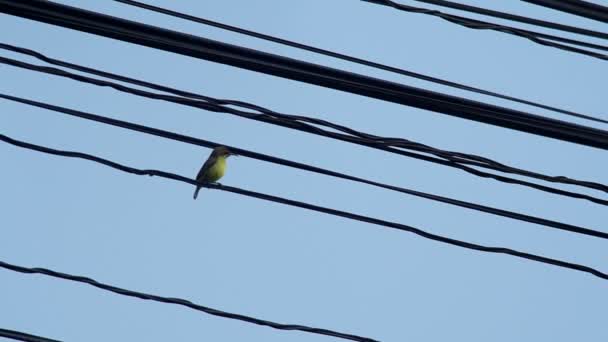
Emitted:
pixel 536 37
pixel 21 336
pixel 250 59
pixel 182 302
pixel 453 159
pixel 576 7
pixel 384 141
pixel 509 16
pixel 334 212
pixel 245 318
pixel 306 167
pixel 352 59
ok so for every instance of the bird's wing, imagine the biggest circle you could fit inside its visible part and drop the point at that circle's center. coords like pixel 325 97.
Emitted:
pixel 210 161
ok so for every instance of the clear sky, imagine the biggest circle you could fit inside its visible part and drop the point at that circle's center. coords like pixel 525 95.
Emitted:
pixel 286 264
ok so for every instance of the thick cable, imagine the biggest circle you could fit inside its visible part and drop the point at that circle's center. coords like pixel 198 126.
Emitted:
pixel 25 337
pixel 509 16
pixel 250 59
pixel 353 59
pixel 577 7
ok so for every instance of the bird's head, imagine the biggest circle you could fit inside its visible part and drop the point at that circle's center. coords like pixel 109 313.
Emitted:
pixel 223 151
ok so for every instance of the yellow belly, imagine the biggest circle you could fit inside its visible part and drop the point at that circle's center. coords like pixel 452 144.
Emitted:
pixel 216 171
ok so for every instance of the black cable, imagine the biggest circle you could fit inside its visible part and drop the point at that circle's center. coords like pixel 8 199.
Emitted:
pixel 509 16
pixel 198 47
pixel 353 59
pixel 284 162
pixel 21 336
pixel 182 302
pixel 384 141
pixel 536 37
pixel 471 23
pixel 576 7
pixel 219 103
pixel 453 159
pixel 348 215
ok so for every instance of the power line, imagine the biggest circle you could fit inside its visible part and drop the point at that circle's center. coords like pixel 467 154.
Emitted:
pixel 182 302
pixel 301 166
pixel 198 47
pixel 508 16
pixel 393 145
pixel 536 37
pixel 352 59
pixel 334 212
pixel 25 337
pixel 576 7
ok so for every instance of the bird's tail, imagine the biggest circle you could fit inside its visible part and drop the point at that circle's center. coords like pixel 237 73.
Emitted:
pixel 198 188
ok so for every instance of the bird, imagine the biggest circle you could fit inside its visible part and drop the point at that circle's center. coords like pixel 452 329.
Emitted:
pixel 214 168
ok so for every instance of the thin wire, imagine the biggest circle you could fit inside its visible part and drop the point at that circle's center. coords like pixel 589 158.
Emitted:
pixel 348 215
pixel 301 166
pixel 389 142
pixel 537 37
pixel 25 337
pixel 182 302
pixel 453 159
pixel 509 16
pixel 353 59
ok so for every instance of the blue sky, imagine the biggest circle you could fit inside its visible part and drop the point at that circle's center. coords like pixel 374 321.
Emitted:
pixel 286 264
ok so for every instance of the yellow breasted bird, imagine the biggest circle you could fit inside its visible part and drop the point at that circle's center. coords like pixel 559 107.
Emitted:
pixel 214 168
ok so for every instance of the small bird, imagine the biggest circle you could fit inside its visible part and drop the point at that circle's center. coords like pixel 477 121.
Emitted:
pixel 214 168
